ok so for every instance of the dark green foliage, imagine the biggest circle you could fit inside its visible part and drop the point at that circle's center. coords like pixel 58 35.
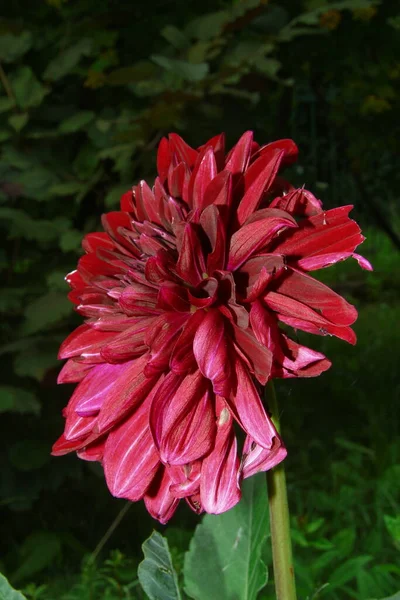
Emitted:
pixel 86 91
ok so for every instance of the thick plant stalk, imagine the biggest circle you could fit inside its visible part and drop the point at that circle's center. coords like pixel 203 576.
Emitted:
pixel 285 586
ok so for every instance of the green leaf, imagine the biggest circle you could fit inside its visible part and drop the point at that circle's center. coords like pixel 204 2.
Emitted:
pixel 18 400
pixel 7 592
pixel 187 70
pixel 45 311
pixel 347 571
pixel 395 597
pixel 27 88
pixel 114 195
pixel 63 64
pixel 175 37
pixel 224 559
pixel 18 122
pixel 76 122
pixel 13 46
pixel 6 104
pixel 156 572
pixel 37 552
pixel 35 362
pixel 29 455
pixel 208 26
pixel 393 526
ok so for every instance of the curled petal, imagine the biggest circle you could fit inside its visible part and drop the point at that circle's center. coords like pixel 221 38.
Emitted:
pixel 159 500
pixel 256 458
pixel 211 350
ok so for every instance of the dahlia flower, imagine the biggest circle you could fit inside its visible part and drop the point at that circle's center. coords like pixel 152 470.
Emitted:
pixel 183 296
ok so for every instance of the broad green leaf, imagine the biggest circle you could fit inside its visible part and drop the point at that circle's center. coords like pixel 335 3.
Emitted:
pixel 186 70
pixel 67 60
pixel 29 455
pixel 18 400
pixel 224 559
pixel 7 592
pixel 18 122
pixel 13 46
pixel 45 311
pixel 208 26
pixel 156 572
pixel 41 230
pixel 76 122
pixel 37 182
pixel 27 88
pixel 114 195
pixel 393 526
pixel 395 597
pixel 38 551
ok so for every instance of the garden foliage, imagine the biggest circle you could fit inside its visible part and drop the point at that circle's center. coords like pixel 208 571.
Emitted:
pixel 87 89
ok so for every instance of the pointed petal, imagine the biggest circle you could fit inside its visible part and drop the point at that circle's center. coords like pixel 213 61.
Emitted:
pixel 219 482
pixel 130 457
pixel 92 452
pixel 258 357
pixel 257 180
pixel 191 264
pixel 315 295
pixel 182 357
pixel 182 150
pixel 203 173
pixel 299 202
pixel 127 393
pixel 248 410
pixel 219 190
pixel 163 158
pixel 73 371
pixel 238 158
pixel 212 223
pixel 84 339
pixel 129 343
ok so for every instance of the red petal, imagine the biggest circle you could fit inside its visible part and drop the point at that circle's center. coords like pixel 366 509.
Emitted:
pixel 212 223
pixel 130 457
pixel 219 483
pixel 258 356
pixel 84 338
pixel 159 501
pixel 203 174
pixel 286 145
pixel 191 264
pixel 219 190
pixel 298 202
pixel 257 181
pixel 160 337
pixel 182 150
pixel 92 452
pixel 182 357
pixel 183 422
pixel 256 233
pixel 238 158
pixel 128 344
pixel 73 371
pixel 256 459
pixel 92 241
pixel 312 294
pixel 127 393
pixel 248 410
pixel 163 159
pixel 211 349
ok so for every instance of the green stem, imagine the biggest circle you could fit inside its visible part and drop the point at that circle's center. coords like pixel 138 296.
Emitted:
pixel 285 586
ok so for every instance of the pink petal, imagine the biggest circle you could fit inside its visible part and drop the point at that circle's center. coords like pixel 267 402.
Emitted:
pixel 73 371
pixel 258 357
pixel 83 339
pixel 159 501
pixel 256 233
pixel 191 263
pixel 160 338
pixel 130 457
pixel 248 410
pixel 219 482
pixel 257 459
pixel 186 479
pixel 183 422
pixel 182 358
pixel 129 343
pixel 126 394
pixel 211 350
pixel 92 452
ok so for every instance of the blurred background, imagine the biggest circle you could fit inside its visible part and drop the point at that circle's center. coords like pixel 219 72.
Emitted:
pixel 87 89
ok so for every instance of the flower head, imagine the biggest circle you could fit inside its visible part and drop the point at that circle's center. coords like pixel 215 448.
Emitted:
pixel 183 295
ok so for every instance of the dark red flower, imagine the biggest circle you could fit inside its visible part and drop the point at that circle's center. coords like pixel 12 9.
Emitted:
pixel 183 295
